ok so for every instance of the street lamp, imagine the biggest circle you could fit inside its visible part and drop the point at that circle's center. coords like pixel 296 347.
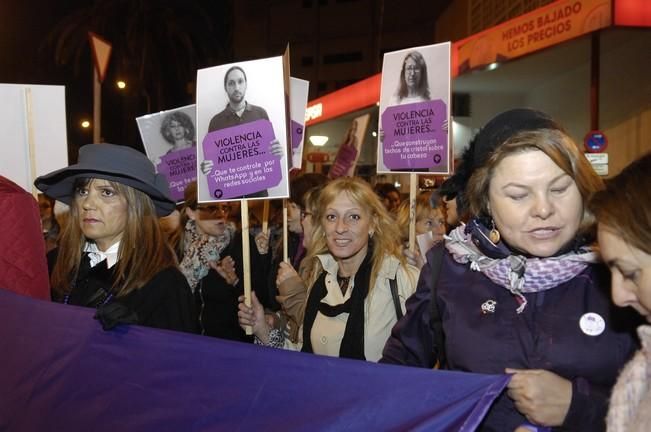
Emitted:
pixel 121 84
pixel 85 124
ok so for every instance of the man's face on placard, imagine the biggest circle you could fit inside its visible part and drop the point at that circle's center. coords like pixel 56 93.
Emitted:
pixel 236 86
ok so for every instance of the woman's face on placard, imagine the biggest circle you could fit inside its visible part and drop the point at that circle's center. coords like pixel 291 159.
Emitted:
pixel 412 73
pixel 177 130
pixel 535 205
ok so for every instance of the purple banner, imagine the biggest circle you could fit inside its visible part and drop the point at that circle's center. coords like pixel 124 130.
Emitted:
pixel 180 168
pixel 242 158
pixel 62 372
pixel 416 137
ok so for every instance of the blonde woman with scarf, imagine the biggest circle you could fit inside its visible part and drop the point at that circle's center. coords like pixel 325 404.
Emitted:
pixel 357 277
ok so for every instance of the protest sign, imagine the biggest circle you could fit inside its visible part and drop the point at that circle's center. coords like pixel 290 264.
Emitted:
pixel 349 150
pixel 414 110
pixel 33 118
pixel 298 92
pixel 242 126
pixel 169 139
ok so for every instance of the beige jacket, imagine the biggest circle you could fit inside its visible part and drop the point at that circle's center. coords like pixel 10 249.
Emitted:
pixel 380 313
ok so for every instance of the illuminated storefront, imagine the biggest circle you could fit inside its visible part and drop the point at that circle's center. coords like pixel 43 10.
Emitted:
pixel 585 62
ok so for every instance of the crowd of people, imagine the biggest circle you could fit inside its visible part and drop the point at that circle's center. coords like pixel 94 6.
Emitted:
pixel 514 280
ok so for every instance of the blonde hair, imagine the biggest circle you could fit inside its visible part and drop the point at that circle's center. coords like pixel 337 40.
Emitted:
pixel 423 208
pixel 560 148
pixel 384 227
pixel 143 250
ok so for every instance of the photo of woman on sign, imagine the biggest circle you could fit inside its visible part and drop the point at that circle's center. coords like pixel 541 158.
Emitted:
pixel 177 129
pixel 413 86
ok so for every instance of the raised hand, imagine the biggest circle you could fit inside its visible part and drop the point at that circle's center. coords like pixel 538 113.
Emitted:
pixel 254 316
pixel 226 269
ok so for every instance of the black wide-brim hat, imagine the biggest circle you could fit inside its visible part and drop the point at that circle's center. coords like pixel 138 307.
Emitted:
pixel 117 163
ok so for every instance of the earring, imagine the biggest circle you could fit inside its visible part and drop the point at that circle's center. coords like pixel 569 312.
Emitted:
pixel 370 234
pixel 494 234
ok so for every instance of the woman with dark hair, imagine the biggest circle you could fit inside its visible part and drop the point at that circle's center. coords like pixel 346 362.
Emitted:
pixel 49 223
pixel 519 288
pixel 623 211
pixel 414 86
pixel 112 254
pixel 178 130
pixel 389 195
pixel 209 249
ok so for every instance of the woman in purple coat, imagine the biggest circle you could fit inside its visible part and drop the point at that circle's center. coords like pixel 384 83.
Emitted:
pixel 518 289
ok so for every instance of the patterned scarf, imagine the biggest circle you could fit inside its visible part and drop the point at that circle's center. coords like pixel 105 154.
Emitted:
pixel 627 408
pixel 200 250
pixel 516 273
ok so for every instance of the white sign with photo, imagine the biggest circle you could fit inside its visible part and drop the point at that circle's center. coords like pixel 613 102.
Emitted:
pixel 414 110
pixel 242 130
pixel 298 93
pixel 169 138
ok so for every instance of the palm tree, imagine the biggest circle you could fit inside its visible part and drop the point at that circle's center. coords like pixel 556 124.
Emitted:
pixel 158 44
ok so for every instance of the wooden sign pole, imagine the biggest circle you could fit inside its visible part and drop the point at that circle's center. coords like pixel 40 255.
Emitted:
pixel 246 257
pixel 285 251
pixel 30 139
pixel 265 216
pixel 413 183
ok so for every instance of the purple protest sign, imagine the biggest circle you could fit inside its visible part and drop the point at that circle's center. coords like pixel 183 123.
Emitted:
pixel 180 169
pixel 242 160
pixel 297 134
pixel 415 137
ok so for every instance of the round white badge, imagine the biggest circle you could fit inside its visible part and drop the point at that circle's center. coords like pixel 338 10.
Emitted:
pixel 592 324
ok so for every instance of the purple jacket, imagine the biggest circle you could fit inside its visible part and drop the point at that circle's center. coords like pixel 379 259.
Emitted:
pixel 547 335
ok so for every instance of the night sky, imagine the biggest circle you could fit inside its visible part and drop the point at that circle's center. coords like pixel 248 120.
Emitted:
pixel 27 56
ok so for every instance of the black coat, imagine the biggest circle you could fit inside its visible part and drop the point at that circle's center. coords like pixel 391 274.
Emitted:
pixel 164 302
pixel 216 300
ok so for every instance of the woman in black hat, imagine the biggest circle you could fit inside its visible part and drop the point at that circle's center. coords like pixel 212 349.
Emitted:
pixel 112 254
pixel 519 289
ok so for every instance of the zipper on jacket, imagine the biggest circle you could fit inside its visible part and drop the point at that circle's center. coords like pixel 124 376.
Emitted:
pixel 203 330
